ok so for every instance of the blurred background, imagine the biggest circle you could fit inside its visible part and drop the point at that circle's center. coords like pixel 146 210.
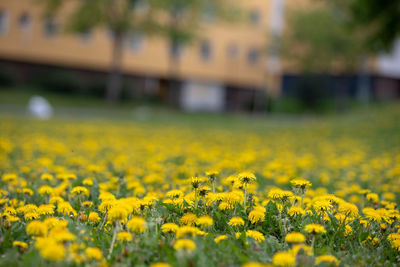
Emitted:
pixel 256 56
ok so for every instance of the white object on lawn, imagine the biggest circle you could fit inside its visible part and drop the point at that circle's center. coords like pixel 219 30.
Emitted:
pixel 40 108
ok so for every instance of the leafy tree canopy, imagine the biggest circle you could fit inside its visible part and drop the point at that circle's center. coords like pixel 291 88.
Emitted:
pixel 318 40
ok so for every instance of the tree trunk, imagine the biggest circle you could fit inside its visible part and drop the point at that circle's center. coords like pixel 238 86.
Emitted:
pixel 173 72
pixel 363 82
pixel 114 83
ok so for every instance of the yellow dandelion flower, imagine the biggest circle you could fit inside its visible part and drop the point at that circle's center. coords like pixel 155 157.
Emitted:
pixel 106 205
pixel 106 196
pixel 124 236
pixel 204 221
pixel 87 204
pixel 372 197
pixel 27 208
pixel 31 216
pixel 169 228
pixel 187 231
pixel 45 190
pixel 56 200
pixel 195 181
pixel 254 264
pixel 88 181
pixel 46 209
pixel 46 177
pixel 322 205
pixel 36 228
pixel 66 208
pixel 225 206
pixel 20 244
pixel 396 244
pixel 327 259
pixel 348 209
pixel 256 235
pixel 314 229
pixel 94 217
pixel 137 224
pixel 247 177
pixel 279 194
pixel 80 190
pixel 212 173
pixel 27 191
pixel 348 230
pixel 160 264
pixel 393 236
pixel 188 219
pixel 117 213
pixel 55 223
pixel 236 221
pixel 220 238
pixel 9 211
pixel 283 259
pixel 300 183
pixel 256 216
pixel 295 237
pixel 296 211
pixel 372 215
pixel 203 190
pixel 175 193
pixel 53 252
pixel 61 235
pixel 93 253
pixel 307 250
pixel 185 244
pixel 9 177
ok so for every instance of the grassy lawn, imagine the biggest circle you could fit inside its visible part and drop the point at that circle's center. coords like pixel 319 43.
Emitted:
pixel 145 186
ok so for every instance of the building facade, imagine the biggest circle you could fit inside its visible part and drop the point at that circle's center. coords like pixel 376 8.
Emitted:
pixel 227 68
pixel 225 55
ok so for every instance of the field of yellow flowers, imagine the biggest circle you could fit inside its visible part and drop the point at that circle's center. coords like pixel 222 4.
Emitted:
pixel 318 192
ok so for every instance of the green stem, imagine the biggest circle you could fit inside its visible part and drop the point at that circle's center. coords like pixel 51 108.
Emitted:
pixel 282 225
pixel 112 243
pixel 104 221
pixel 339 229
pixel 195 198
pixel 301 200
pixel 245 197
pixel 313 244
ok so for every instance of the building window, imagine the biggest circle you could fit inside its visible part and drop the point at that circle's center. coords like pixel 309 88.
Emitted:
pixel 177 12
pixel 50 27
pixel 86 36
pixel 110 33
pixel 136 42
pixel 253 56
pixel 4 21
pixel 24 22
pixel 205 50
pixel 176 49
pixel 232 51
pixel 255 17
pixel 140 6
pixel 209 13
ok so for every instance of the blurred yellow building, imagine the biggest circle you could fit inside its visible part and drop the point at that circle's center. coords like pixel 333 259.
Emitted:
pixel 226 55
pixel 228 68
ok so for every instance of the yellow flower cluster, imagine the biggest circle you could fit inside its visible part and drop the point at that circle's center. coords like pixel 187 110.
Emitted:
pixel 85 194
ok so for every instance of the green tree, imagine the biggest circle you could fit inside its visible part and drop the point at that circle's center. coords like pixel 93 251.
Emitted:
pixel 318 40
pixel 380 17
pixel 120 17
